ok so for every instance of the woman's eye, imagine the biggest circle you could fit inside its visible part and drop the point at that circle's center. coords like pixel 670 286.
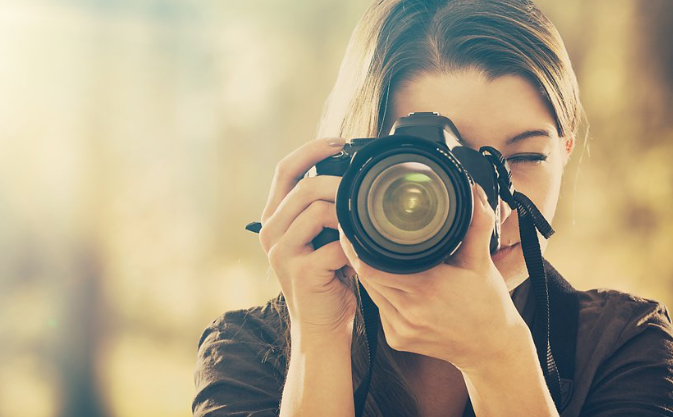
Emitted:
pixel 535 158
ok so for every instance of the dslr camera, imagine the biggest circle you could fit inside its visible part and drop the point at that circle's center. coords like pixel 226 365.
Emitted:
pixel 405 200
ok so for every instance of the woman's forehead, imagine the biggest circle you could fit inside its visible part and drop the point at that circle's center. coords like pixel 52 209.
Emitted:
pixel 481 108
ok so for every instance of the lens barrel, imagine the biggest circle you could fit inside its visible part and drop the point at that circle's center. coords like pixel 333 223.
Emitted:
pixel 405 203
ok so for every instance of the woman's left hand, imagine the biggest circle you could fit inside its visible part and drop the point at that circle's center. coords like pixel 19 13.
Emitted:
pixel 459 311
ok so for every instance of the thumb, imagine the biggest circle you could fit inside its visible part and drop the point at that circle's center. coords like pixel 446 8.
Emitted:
pixel 474 251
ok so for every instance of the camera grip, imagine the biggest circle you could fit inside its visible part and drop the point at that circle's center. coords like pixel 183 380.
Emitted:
pixel 334 165
pixel 326 236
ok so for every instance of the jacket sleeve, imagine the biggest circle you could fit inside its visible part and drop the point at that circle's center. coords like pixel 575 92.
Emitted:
pixel 637 379
pixel 238 373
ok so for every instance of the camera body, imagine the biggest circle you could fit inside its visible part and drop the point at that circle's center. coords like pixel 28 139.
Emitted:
pixel 405 200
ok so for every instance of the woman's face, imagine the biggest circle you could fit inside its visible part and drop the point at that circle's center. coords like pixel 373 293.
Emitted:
pixel 509 114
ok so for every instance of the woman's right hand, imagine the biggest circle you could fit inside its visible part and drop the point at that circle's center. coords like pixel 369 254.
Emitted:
pixel 318 301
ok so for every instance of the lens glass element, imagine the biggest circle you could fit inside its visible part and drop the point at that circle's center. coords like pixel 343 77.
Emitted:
pixel 408 203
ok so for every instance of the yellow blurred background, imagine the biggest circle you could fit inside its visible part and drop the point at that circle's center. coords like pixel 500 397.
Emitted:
pixel 138 137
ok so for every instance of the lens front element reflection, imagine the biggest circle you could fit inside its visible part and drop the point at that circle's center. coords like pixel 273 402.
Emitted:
pixel 408 203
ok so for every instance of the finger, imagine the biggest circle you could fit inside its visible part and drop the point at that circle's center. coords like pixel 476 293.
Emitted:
pixel 330 256
pixel 387 309
pixel 292 168
pixel 360 267
pixel 474 251
pixel 391 318
pixel 399 282
pixel 308 190
pixel 318 215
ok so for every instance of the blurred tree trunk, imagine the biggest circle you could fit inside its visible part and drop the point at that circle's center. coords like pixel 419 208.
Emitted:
pixel 655 63
pixel 81 339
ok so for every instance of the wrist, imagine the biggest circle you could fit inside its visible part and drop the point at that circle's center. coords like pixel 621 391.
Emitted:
pixel 319 380
pixel 303 339
pixel 510 348
pixel 507 384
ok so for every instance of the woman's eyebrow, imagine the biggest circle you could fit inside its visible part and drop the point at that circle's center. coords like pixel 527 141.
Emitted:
pixel 528 134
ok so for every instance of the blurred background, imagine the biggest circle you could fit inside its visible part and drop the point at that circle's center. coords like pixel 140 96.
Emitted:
pixel 138 137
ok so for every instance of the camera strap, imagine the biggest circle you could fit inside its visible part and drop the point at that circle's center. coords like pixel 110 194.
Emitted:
pixel 531 221
pixel 371 319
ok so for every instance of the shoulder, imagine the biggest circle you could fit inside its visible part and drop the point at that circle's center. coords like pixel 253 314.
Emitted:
pixel 240 365
pixel 262 323
pixel 624 358
pixel 254 331
pixel 609 317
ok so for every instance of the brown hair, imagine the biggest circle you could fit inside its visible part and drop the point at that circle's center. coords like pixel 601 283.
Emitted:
pixel 397 40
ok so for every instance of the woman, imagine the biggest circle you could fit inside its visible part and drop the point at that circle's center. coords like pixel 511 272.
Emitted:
pixel 456 337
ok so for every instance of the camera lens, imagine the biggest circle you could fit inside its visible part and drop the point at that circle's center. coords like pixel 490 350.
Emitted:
pixel 408 203
pixel 405 203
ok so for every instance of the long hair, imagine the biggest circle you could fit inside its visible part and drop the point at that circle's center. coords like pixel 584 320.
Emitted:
pixel 396 40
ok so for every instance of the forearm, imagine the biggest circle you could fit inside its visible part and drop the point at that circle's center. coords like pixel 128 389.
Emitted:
pixel 511 386
pixel 319 380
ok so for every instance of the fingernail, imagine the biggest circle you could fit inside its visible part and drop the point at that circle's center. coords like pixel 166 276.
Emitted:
pixel 335 142
pixel 482 195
